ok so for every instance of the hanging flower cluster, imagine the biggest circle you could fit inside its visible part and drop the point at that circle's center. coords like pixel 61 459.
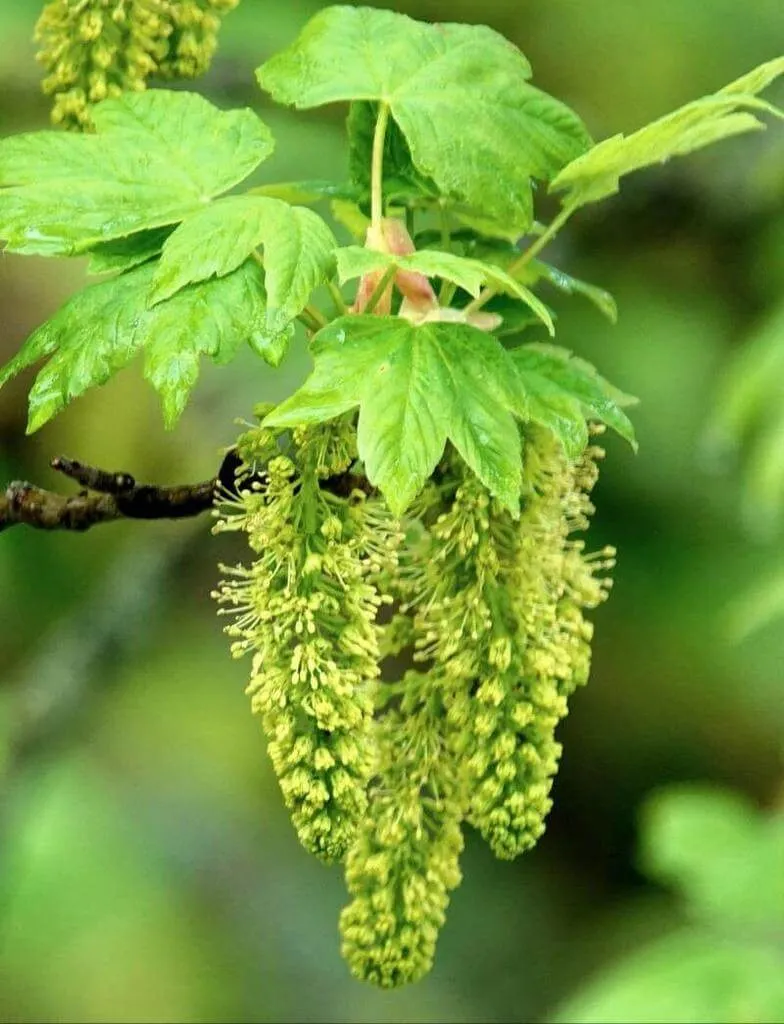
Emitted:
pixel 94 49
pixel 488 613
pixel 498 606
pixel 306 608
pixel 404 861
pixel 194 36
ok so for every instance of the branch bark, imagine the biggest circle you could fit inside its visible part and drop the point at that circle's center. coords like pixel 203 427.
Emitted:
pixel 107 497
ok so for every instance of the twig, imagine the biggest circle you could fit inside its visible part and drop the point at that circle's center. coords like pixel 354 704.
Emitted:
pixel 107 497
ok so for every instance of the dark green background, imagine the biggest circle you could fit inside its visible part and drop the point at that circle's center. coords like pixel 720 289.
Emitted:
pixel 148 868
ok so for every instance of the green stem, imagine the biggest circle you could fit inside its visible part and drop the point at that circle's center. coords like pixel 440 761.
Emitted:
pixel 446 293
pixel 337 297
pixel 544 239
pixel 377 167
pixel 307 321
pixel 316 315
pixel 446 244
pixel 380 288
pixel 443 223
pixel 524 258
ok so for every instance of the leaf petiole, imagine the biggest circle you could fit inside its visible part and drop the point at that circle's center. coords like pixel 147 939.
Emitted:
pixel 444 296
pixel 337 297
pixel 524 258
pixel 377 166
pixel 544 239
pixel 312 322
pixel 316 316
pixel 380 288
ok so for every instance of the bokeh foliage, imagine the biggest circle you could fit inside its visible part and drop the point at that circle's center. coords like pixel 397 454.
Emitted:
pixel 149 871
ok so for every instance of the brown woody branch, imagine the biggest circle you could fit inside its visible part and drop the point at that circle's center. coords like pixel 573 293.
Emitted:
pixel 107 497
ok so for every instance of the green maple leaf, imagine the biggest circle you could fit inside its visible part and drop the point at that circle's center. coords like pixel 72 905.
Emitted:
pixel 122 254
pixel 298 252
pixel 596 174
pixel 155 157
pixel 305 193
pixel 601 299
pixel 564 392
pixel 104 327
pixel 534 271
pixel 506 256
pixel 459 94
pixel 416 387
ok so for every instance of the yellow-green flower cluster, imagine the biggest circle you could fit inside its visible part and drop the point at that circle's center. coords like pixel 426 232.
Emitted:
pixel 94 49
pixel 194 37
pixel 306 610
pixel 492 610
pixel 404 863
pixel 500 612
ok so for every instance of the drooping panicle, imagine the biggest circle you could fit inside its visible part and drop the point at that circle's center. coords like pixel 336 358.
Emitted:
pixel 95 49
pixel 492 607
pixel 306 610
pixel 499 609
pixel 404 863
pixel 194 36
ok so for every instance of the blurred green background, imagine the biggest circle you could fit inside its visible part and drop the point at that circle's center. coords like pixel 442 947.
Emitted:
pixel 148 870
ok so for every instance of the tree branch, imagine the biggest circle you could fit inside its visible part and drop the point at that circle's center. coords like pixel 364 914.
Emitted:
pixel 107 497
